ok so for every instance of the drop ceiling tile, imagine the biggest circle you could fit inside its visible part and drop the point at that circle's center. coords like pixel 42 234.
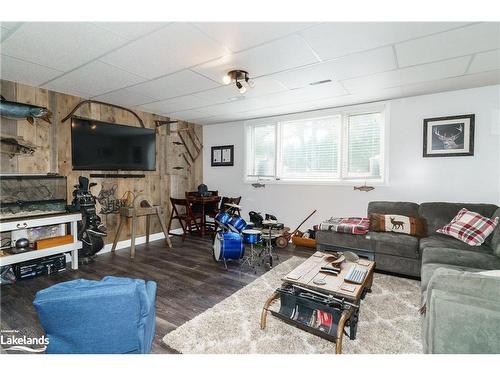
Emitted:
pixel 483 62
pixel 355 65
pixel 488 78
pixel 13 69
pixel 178 104
pixel 242 35
pixel 309 93
pixel 405 76
pixel 463 41
pixel 177 84
pixel 95 78
pixel 236 106
pixel 124 97
pixel 289 52
pixel 175 47
pixel 228 93
pixel 131 30
pixel 188 115
pixel 59 45
pixel 335 39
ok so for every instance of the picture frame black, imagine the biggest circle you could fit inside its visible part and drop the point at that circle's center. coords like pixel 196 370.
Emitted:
pixel 222 156
pixel 449 136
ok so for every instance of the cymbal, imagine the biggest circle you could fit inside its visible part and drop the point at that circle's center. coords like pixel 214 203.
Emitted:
pixel 233 205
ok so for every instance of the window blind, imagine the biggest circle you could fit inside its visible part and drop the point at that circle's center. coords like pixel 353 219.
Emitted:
pixel 263 150
pixel 364 145
pixel 310 148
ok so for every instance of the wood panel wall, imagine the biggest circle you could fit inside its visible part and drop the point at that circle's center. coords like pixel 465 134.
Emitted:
pixel 53 153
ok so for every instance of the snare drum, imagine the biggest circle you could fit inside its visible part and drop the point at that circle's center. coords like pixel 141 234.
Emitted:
pixel 252 236
pixel 237 224
pixel 228 245
pixel 222 218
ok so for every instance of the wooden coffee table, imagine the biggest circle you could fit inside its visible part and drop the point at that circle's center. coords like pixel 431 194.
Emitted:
pixel 336 297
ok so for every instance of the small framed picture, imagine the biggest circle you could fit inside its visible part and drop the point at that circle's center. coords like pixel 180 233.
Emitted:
pixel 449 136
pixel 222 156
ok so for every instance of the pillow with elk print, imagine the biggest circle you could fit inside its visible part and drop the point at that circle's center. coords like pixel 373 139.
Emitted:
pixel 413 226
pixel 470 227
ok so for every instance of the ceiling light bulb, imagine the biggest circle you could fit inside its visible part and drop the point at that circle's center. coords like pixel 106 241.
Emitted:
pixel 242 89
pixel 251 83
pixel 226 79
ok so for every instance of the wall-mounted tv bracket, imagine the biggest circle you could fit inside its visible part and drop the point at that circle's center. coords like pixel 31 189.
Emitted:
pixel 102 103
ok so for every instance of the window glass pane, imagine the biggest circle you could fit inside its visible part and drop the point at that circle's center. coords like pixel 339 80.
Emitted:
pixel 364 134
pixel 310 148
pixel 264 150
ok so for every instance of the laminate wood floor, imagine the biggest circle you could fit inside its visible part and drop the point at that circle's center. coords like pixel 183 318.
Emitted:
pixel 189 282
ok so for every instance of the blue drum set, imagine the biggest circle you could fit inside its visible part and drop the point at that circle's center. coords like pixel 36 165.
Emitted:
pixel 232 236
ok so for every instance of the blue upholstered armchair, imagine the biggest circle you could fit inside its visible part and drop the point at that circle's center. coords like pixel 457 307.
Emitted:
pixel 113 315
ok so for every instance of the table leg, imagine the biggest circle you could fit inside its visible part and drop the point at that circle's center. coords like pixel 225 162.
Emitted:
pixel 74 259
pixel 346 314
pixel 263 315
pixel 132 236
pixel 148 222
pixel 118 232
pixel 159 213
pixel 203 222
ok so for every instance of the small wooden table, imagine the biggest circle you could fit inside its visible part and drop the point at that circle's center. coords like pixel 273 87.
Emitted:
pixel 299 284
pixel 204 201
pixel 134 213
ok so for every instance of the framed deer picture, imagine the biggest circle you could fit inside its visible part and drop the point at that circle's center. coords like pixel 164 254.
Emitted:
pixel 449 136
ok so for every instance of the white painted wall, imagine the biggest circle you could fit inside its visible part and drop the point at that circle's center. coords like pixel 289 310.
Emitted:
pixel 411 177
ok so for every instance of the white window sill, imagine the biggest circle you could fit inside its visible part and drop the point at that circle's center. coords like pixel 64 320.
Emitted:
pixel 351 182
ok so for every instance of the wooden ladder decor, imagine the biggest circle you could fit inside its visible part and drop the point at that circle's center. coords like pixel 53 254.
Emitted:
pixel 191 140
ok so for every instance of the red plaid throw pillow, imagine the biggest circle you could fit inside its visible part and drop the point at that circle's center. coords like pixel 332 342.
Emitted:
pixel 469 227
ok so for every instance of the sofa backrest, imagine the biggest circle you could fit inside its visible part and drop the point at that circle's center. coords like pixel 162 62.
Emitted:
pixel 438 214
pixel 396 208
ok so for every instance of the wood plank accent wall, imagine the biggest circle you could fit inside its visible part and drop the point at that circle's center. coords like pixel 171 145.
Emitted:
pixel 53 153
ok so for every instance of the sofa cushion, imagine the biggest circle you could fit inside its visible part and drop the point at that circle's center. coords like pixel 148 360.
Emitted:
pixel 438 214
pixel 462 258
pixel 394 244
pixel 343 240
pixel 428 270
pixel 495 237
pixel 470 227
pixel 396 208
pixel 441 240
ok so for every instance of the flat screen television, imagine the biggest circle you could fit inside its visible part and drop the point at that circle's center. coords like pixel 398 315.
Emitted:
pixel 97 145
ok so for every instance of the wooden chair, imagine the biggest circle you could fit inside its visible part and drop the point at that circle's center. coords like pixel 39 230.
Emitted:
pixel 225 200
pixel 181 210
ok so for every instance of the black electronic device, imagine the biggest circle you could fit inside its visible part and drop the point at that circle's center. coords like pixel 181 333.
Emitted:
pixel 42 266
pixel 97 145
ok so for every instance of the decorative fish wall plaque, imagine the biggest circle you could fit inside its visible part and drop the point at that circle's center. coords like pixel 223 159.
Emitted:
pixel 16 111
pixel 364 188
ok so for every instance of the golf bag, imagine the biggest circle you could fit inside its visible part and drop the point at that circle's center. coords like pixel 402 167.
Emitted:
pixel 90 229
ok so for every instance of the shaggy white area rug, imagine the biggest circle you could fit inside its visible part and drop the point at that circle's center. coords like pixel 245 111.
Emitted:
pixel 388 322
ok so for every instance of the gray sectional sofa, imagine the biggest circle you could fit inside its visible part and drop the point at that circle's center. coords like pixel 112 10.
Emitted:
pixel 462 304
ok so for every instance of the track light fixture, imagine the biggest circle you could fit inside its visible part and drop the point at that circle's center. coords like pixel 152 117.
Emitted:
pixel 238 76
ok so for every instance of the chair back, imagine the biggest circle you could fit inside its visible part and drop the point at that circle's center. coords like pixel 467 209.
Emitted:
pixel 234 200
pixel 181 206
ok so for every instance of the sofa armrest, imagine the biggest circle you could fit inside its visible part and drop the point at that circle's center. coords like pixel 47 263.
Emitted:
pixel 462 313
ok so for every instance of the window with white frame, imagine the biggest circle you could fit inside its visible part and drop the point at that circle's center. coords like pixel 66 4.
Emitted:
pixel 343 146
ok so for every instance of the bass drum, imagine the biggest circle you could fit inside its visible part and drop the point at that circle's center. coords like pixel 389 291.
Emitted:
pixel 228 245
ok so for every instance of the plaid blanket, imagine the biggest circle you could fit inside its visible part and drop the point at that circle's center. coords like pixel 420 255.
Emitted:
pixel 351 225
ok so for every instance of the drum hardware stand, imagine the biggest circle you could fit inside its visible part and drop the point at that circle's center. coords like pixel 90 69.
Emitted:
pixel 251 259
pixel 268 250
